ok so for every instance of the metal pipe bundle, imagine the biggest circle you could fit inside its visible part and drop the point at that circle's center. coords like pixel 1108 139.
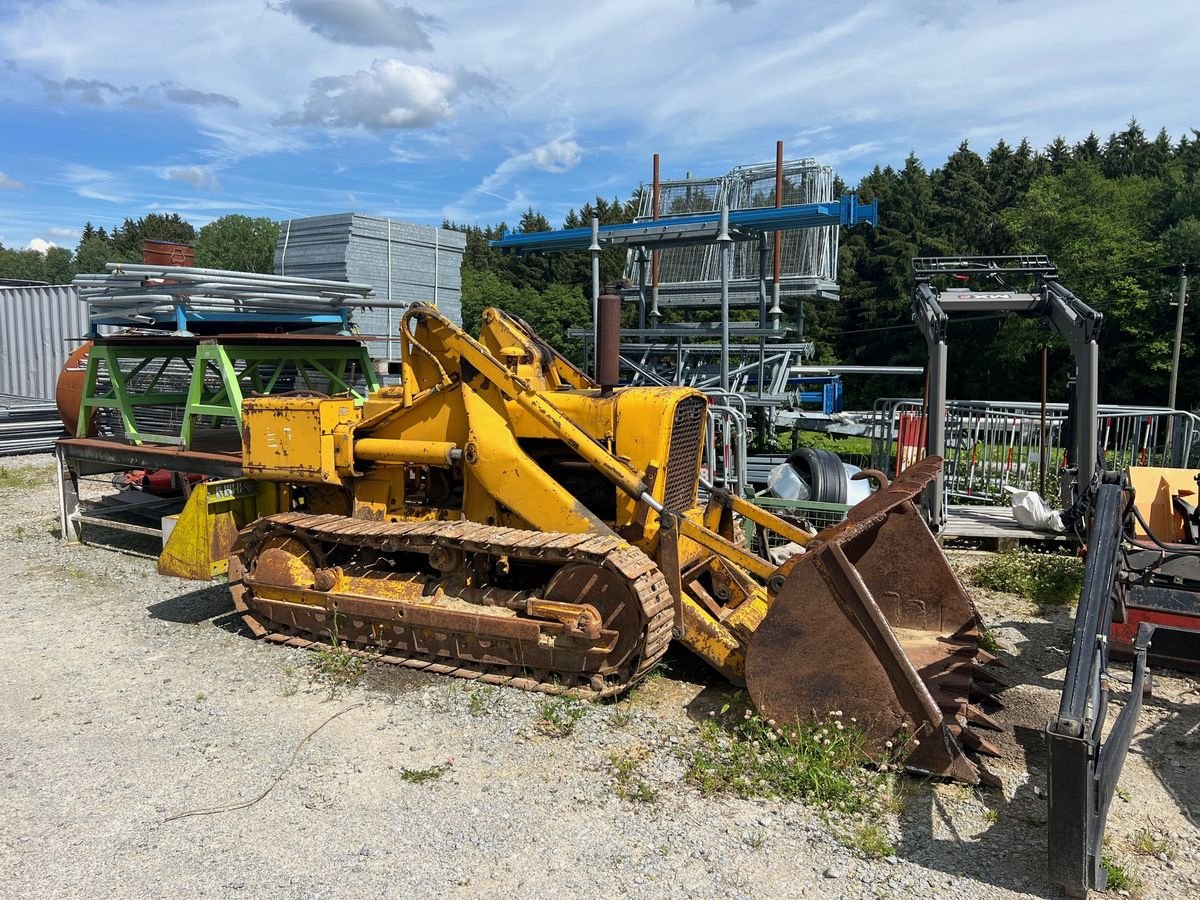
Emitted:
pixel 154 293
pixel 28 426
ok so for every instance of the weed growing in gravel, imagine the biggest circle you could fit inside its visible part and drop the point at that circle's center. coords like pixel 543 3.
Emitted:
pixel 558 716
pixel 820 762
pixel 338 666
pixel 627 770
pixel 1146 843
pixel 1043 577
pixel 482 700
pixel 1122 794
pixel 871 841
pixel 620 716
pixel 1120 878
pixel 987 642
pixel 991 815
pixel 756 840
pixel 420 776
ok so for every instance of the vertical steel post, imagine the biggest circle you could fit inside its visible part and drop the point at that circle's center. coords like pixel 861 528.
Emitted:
pixel 935 442
pixel 1044 462
pixel 724 247
pixel 641 269
pixel 1087 393
pixel 762 312
pixel 655 199
pixel 595 250
pixel 777 239
pixel 1183 281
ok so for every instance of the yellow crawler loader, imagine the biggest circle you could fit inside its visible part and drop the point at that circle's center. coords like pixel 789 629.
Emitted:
pixel 501 516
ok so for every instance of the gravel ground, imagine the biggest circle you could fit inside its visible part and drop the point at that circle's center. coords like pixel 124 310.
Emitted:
pixel 127 698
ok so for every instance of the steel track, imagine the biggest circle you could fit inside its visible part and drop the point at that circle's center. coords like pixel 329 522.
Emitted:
pixel 310 625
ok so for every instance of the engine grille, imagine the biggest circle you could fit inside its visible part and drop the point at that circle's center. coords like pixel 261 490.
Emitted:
pixel 683 454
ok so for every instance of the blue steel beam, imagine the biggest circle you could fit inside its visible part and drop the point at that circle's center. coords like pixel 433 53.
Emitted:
pixel 744 224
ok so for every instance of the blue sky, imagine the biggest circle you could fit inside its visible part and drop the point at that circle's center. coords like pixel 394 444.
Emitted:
pixel 474 110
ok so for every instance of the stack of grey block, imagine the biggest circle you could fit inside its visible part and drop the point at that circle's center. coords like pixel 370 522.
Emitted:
pixel 402 261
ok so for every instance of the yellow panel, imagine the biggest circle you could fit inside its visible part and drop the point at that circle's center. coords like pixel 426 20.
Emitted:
pixel 292 438
pixel 204 532
pixel 1154 488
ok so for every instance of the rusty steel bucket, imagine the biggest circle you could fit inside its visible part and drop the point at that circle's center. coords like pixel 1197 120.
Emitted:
pixel 872 621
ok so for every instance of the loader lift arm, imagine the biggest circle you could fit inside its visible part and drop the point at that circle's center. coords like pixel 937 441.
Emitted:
pixel 1084 765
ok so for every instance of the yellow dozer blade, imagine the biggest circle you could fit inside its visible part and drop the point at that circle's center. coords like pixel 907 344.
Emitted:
pixel 872 621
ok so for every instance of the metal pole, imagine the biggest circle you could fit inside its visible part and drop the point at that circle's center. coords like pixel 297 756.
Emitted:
pixel 655 199
pixel 1044 463
pixel 1183 281
pixel 641 268
pixel 778 260
pixel 936 433
pixel 595 249
pixel 762 312
pixel 724 246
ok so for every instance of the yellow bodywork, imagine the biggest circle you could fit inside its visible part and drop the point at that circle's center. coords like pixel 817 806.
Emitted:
pixel 524 440
pixel 204 532
pixel 1153 489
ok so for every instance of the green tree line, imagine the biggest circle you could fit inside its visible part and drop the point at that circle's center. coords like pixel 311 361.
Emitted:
pixel 231 242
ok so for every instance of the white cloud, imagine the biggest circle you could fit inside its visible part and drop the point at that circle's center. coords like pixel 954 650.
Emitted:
pixel 559 155
pixel 10 184
pixel 40 245
pixel 199 177
pixel 365 23
pixel 391 94
pixel 66 234
pixel 93 183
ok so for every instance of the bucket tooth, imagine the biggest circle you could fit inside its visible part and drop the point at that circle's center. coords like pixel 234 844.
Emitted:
pixel 988 777
pixel 979 673
pixel 972 741
pixel 985 693
pixel 977 716
pixel 988 659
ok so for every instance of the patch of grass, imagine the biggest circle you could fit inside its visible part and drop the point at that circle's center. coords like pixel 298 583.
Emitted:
pixel 1120 877
pixel 819 762
pixel 481 700
pixel 25 478
pixel 1122 794
pixel 756 840
pixel 420 776
pixel 337 665
pixel 558 716
pixel 620 717
pixel 627 772
pixel 1146 843
pixel 201 696
pixel 991 815
pixel 871 841
pixel 987 641
pixel 1043 577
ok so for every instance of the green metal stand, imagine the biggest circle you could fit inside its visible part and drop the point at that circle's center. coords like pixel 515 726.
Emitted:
pixel 221 373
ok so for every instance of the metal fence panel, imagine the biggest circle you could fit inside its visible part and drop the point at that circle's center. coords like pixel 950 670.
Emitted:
pixel 993 445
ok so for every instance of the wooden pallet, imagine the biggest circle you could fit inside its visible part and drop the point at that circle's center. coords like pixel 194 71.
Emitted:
pixel 995 527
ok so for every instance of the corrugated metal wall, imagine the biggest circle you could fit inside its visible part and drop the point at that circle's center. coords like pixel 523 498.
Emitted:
pixel 36 328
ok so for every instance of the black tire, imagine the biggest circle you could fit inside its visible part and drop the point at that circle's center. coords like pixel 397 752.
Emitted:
pixel 823 471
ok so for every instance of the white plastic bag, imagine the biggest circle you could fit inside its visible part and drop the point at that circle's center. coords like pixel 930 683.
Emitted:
pixel 1031 511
